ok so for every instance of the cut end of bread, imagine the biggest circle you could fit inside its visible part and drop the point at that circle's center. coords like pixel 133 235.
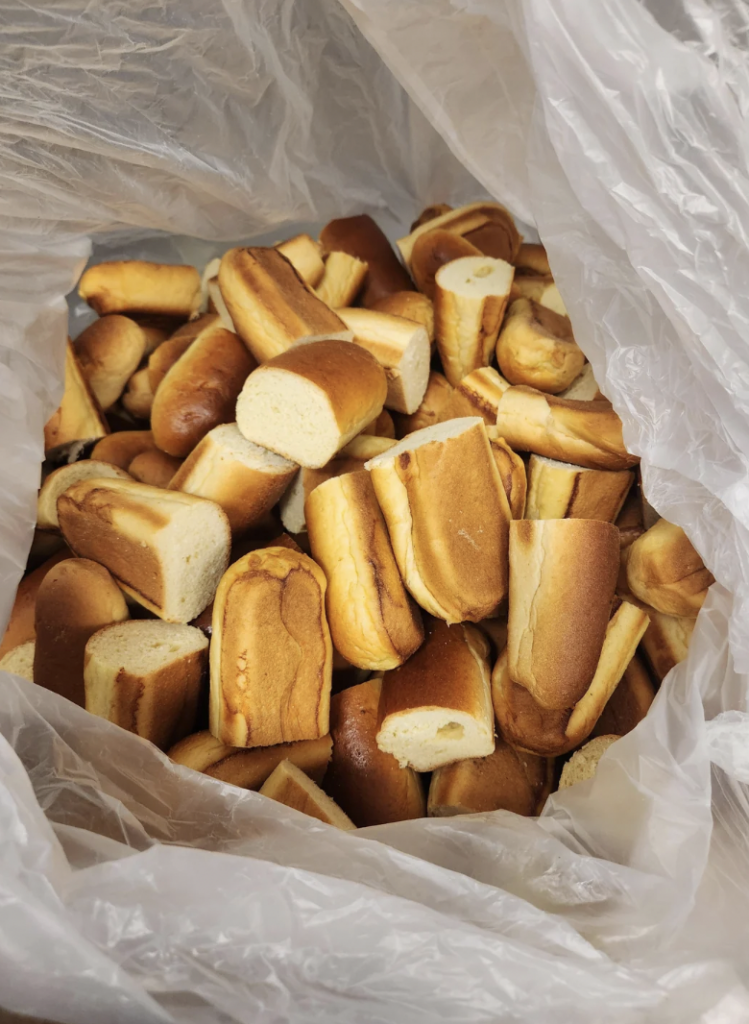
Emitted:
pixel 428 738
pixel 439 432
pixel 583 764
pixel 20 661
pixel 476 277
pixel 233 446
pixel 289 785
pixel 144 646
pixel 58 482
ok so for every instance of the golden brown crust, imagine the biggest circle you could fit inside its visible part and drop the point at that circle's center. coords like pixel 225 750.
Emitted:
pixel 271 653
pixel 166 355
pixel 434 405
pixel 665 571
pixel 511 472
pixel 478 394
pixel 364 781
pixel 21 623
pixel 135 286
pixel 108 353
pixel 666 642
pixel 154 467
pixel 524 724
pixel 249 769
pixel 429 213
pixel 361 237
pixel 381 426
pixel 488 226
pixel 507 780
pixel 532 259
pixel 536 347
pixel 303 253
pixel 629 521
pixel 410 305
pixel 342 280
pixel 138 396
pixel 629 703
pixel 433 250
pixel 498 238
pixel 290 786
pixel 79 416
pixel 121 448
pixel 564 491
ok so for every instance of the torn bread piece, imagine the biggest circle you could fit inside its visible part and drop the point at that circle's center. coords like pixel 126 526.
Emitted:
pixel 19 661
pixel 478 394
pixel 512 473
pixel 342 280
pixel 436 406
pixel 79 416
pixel 288 785
pixel 303 253
pixel 666 642
pixel 60 479
pixel 249 769
pixel 583 764
pixel 559 490
pixel 135 286
pixel 536 347
pixel 665 571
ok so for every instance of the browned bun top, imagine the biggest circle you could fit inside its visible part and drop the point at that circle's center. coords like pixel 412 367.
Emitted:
pixel 498 238
pixel 524 724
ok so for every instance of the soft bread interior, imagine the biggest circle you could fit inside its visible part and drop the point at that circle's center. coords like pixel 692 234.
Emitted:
pixel 289 785
pixel 144 646
pixel 20 661
pixel 59 481
pixel 476 277
pixel 367 446
pixel 583 764
pixel 291 506
pixel 438 432
pixel 427 738
pixel 193 554
pixel 583 388
pixel 414 373
pixel 232 446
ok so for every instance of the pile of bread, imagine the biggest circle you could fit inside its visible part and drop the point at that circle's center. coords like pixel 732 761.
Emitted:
pixel 298 530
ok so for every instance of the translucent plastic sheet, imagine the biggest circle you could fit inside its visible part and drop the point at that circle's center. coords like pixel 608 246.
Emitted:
pixel 131 890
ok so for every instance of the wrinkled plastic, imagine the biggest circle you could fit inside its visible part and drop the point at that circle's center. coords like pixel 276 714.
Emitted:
pixel 132 890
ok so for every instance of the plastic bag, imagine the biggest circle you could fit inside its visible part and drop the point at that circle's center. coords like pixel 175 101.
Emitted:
pixel 133 890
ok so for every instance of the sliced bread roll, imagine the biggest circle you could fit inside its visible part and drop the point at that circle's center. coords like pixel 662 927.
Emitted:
pixel 585 433
pixel 562 579
pixel 135 286
pixel 472 222
pixel 122 447
pixel 666 642
pixel 434 408
pixel 154 467
pixel 536 347
pixel 290 786
pixel 60 479
pixel 271 306
pixel 629 703
pixel 303 253
pixel 166 549
pixel 411 305
pixel 507 780
pixel 665 571
pixel 373 622
pixel 21 623
pixel 559 490
pixel 244 479
pixel 583 764
pixel 76 598
pixel 307 403
pixel 431 252
pixel 145 676
pixel 583 388
pixel 512 473
pixel 342 280
pixel 361 237
pixel 271 654
pixel 368 784
pixel 470 298
pixel 478 394
pixel 448 528
pixel 79 416
pixel 250 768
pixel 109 352
pixel 19 661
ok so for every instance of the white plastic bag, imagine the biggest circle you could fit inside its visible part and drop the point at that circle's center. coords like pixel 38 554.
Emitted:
pixel 151 893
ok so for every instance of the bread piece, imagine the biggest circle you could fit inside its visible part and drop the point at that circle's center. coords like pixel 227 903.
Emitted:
pixel 583 764
pixel 373 621
pixel 60 479
pixel 303 253
pixel 536 347
pixel 366 447
pixel 431 252
pixel 271 654
pixel 507 780
pixel 250 768
pixel 244 479
pixel 79 415
pixel 361 237
pixel 665 571
pixel 75 599
pixel 666 642
pixel 217 305
pixel 562 579
pixel 532 259
pixel 309 402
pixel 200 391
pixel 154 467
pixel 478 394
pixel 167 550
pixel 583 388
pixel 401 347
pixel 134 286
pixel 21 626
pixel 584 433
pixel 145 676
pixel 271 306
pixel 109 352
pixel 448 528
pixel 342 280
pixel 434 408
pixel 540 289
pixel 289 785
pixel 429 213
pixel 20 661
pixel 629 703
pixel 368 784
pixel 559 490
pixel 437 708
pixel 411 305
pixel 629 521
pixel 121 448
pixel 381 426
pixel 154 331
pixel 501 240
pixel 138 397
pixel 163 359
pixel 512 473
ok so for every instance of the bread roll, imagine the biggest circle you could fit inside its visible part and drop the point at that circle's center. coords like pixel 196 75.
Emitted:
pixel 558 490
pixel 244 479
pixel 365 782
pixel 290 786
pixel 217 305
pixel 163 359
pixel 373 622
pixel 60 479
pixel 540 289
pixel 271 306
pixel 665 571
pixel 145 676
pixel 20 661
pixel 562 579
pixel 309 402
pixel 536 347
pixel 200 391
pixel 512 473
pixel 342 280
pixel 431 252
pixel 75 599
pixel 583 764
pixel 501 240
pixel 154 467
pixel 360 236
pixel 271 654
pixel 629 703
pixel 585 433
pixel 167 550
pixel 303 253
pixel 429 213
pixel 448 528
pixel 437 708
pixel 381 426
pixel 121 448
pixel 583 388
pixel 134 286
pixel 21 626
pixel 401 347
pixel 250 768
pixel 666 642
pixel 507 780
pixel 434 408
pixel 411 305
pixel 138 396
pixel 469 302
pixel 79 415
pixel 109 352
pixel 478 394
pixel 532 259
